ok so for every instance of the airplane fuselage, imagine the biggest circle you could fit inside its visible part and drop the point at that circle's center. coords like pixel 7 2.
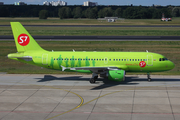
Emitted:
pixel 128 61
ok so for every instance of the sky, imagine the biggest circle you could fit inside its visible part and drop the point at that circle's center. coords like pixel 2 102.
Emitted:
pixel 104 2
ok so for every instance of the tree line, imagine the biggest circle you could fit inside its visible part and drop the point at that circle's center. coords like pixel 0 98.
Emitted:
pixel 128 12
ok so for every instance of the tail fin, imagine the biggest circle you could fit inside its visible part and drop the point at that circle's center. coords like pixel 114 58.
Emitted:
pixel 24 41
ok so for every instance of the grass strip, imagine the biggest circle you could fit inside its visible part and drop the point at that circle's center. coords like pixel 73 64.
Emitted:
pixel 57 21
pixel 100 31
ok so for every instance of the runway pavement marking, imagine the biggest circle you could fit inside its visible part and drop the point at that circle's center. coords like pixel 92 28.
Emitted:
pixel 82 100
pixel 93 112
pixel 170 103
pixel 93 100
pixel 104 96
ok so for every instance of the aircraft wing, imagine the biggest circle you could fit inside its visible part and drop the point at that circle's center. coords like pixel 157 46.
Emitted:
pixel 97 69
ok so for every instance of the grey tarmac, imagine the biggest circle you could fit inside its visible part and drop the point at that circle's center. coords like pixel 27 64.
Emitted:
pixel 72 97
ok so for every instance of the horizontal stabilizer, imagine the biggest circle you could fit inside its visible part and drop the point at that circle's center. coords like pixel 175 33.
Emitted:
pixel 19 56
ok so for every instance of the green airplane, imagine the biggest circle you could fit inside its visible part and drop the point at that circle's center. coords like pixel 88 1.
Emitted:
pixel 111 65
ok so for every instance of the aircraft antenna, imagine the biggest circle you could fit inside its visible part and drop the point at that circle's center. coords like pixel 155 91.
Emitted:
pixel 73 50
pixel 146 50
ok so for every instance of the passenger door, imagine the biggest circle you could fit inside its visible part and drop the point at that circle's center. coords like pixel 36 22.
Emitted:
pixel 45 59
pixel 149 60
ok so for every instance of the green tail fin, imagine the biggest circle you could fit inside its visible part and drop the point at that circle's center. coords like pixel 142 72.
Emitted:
pixel 24 41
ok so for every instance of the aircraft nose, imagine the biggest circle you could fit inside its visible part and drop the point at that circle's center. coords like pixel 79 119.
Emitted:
pixel 170 65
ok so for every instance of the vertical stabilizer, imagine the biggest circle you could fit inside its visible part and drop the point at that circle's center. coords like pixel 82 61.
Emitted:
pixel 24 41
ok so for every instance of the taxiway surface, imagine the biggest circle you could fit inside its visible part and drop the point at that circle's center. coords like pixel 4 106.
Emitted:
pixel 72 97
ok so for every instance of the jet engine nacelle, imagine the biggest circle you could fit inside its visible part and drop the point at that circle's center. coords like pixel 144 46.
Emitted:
pixel 116 75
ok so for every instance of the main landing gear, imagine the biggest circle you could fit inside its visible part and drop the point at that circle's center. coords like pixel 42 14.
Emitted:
pixel 94 78
pixel 148 76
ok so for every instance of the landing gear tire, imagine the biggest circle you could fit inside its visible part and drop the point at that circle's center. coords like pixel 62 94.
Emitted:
pixel 92 80
pixel 96 77
pixel 148 76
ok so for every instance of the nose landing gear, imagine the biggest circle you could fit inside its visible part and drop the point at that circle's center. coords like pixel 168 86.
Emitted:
pixel 148 76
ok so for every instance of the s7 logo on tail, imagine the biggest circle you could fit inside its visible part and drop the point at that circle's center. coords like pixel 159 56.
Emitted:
pixel 23 39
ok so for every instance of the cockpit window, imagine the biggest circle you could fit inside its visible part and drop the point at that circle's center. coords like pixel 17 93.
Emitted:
pixel 163 59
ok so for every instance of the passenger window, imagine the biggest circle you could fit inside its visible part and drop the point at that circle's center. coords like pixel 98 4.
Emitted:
pixel 159 59
pixel 124 59
pixel 116 59
pixel 100 59
pixel 130 60
pixel 119 59
pixel 135 59
pixel 109 59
